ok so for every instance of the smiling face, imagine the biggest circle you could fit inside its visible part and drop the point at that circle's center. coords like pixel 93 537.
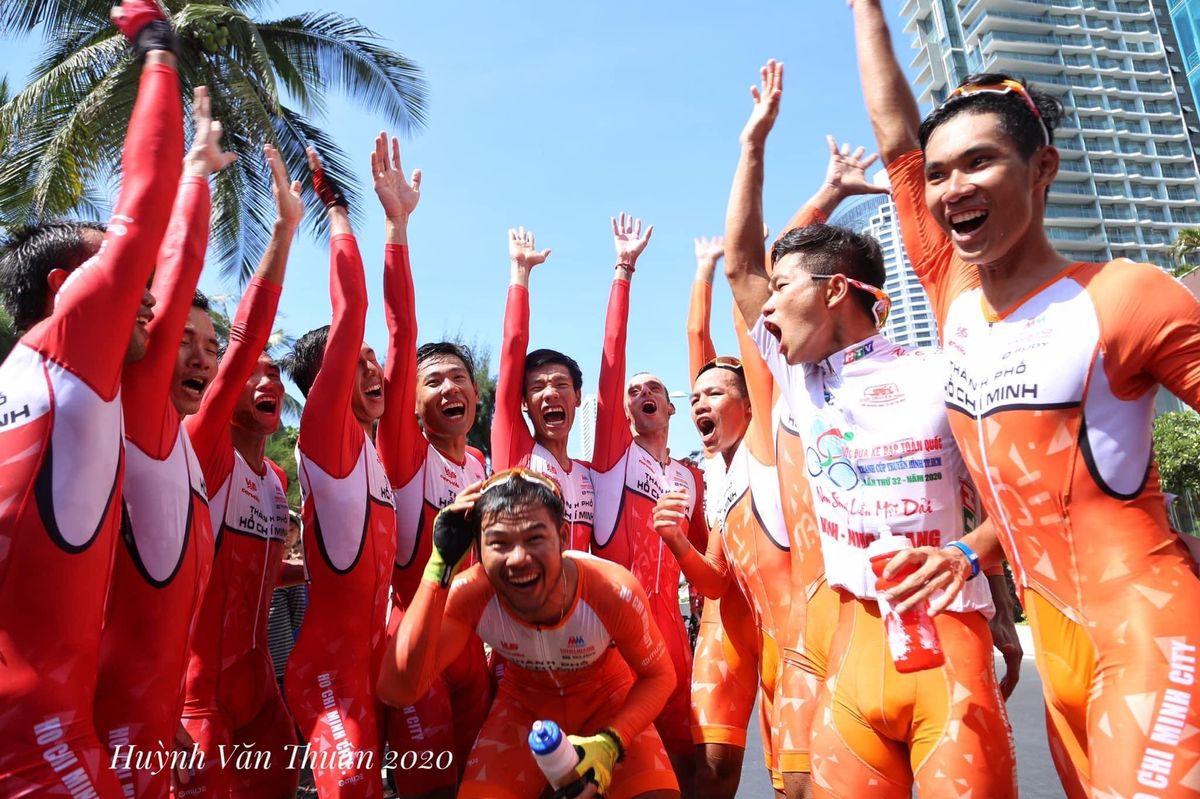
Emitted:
pixel 446 396
pixel 550 399
pixel 196 364
pixel 139 339
pixel 647 405
pixel 521 553
pixel 261 402
pixel 799 312
pixel 720 410
pixel 367 400
pixel 979 188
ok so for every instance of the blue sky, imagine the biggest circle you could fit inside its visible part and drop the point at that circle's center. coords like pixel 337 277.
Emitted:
pixel 558 115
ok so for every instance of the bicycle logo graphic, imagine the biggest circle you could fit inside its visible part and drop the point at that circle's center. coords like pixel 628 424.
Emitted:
pixel 827 455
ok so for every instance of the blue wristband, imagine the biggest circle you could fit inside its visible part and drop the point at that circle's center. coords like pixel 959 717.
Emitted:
pixel 972 558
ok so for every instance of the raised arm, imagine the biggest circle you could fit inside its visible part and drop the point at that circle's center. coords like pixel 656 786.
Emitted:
pixel 889 99
pixel 329 432
pixel 251 328
pixel 699 332
pixel 151 420
pixel 95 310
pixel 612 429
pixel 511 439
pixel 398 439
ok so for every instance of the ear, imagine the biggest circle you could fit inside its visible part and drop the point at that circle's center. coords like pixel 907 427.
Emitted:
pixel 1045 167
pixel 836 290
pixel 670 409
pixel 55 280
pixel 564 535
pixel 524 406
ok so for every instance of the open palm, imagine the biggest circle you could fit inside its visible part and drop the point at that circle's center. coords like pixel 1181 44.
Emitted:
pixel 398 197
pixel 847 170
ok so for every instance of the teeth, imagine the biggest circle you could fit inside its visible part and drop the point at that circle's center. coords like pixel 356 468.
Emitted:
pixel 523 580
pixel 967 216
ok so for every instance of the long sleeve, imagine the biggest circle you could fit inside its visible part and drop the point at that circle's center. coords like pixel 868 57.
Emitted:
pixel 699 333
pixel 399 440
pixel 248 335
pixel 151 420
pixel 641 644
pixel 511 439
pixel 613 435
pixel 428 639
pixel 96 308
pixel 329 433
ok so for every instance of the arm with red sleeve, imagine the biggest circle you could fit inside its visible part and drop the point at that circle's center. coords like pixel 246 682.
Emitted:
pixel 95 310
pixel 329 432
pixel 511 439
pixel 248 335
pixel 151 420
pixel 613 435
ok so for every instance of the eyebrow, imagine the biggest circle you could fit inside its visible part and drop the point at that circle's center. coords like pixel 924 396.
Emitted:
pixel 967 153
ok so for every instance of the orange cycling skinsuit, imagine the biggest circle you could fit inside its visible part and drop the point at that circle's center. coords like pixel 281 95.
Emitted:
pixel 628 482
pixel 512 444
pixel 1051 401
pixel 423 482
pixel 231 696
pixel 875 728
pixel 165 553
pixel 725 665
pixel 60 486
pixel 603 666
pixel 349 526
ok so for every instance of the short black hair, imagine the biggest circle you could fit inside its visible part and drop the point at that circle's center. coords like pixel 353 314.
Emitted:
pixel 437 349
pixel 540 358
pixel 514 496
pixel 29 256
pixel 1017 120
pixel 843 252
pixel 739 375
pixel 200 300
pixel 304 361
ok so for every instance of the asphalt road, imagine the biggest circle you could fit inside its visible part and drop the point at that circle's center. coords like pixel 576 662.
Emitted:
pixel 1026 712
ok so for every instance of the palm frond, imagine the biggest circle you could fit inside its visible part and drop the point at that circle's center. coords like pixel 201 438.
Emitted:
pixel 19 17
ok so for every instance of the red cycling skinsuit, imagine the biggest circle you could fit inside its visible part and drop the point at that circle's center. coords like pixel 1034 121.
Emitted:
pixel 60 483
pixel 512 444
pixel 876 728
pixel 423 482
pixel 628 482
pixel 1051 401
pixel 165 553
pixel 600 667
pixel 231 696
pixel 349 545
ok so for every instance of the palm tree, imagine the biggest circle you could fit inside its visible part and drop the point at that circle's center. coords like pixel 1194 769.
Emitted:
pixel 1187 243
pixel 61 135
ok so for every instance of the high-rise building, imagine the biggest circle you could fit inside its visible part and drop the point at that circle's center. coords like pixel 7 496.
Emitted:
pixel 911 321
pixel 1128 178
pixel 1179 24
pixel 585 423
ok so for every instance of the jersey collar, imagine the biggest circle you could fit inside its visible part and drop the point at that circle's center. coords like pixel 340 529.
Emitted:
pixel 836 364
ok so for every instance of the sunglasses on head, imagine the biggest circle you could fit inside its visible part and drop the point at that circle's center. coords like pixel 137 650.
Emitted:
pixel 722 362
pixel 1003 87
pixel 882 305
pixel 520 473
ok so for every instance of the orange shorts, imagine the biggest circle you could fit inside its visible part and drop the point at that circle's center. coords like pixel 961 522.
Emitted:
pixel 877 730
pixel 502 767
pixel 724 674
pixel 1122 699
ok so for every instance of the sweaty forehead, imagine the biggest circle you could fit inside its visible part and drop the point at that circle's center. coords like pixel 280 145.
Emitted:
pixel 441 364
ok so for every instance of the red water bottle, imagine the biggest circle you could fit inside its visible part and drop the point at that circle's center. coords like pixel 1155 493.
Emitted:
pixel 911 636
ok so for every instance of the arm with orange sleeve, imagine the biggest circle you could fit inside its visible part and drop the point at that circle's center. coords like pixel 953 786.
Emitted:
pixel 151 421
pixel 511 439
pixel 709 572
pixel 330 435
pixel 699 334
pixel 641 645
pixel 88 330
pixel 398 439
pixel 248 334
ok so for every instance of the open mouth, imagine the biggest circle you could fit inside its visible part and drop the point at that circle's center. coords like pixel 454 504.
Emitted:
pixel 454 410
pixel 525 582
pixel 772 328
pixel 266 405
pixel 554 416
pixel 706 426
pixel 964 223
pixel 375 392
pixel 649 407
pixel 194 385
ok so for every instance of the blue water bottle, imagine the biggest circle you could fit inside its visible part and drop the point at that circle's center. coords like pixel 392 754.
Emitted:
pixel 554 754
